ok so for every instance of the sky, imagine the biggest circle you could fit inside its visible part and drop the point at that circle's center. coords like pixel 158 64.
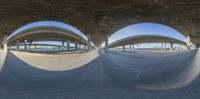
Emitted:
pixel 146 28
pixel 135 29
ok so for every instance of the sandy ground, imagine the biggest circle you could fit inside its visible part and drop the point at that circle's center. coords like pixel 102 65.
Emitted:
pixel 56 62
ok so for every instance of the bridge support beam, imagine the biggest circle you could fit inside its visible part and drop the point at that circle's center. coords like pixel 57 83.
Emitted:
pixel 106 41
pixel 130 47
pixel 30 46
pixel 89 42
pixel 123 48
pixel 79 47
pixel 165 47
pixel 76 45
pixel 25 45
pixel 17 45
pixel 35 46
pixel 63 45
pixel 84 47
pixel 171 44
pixel 161 47
pixel 188 42
pixel 68 45
pixel 5 45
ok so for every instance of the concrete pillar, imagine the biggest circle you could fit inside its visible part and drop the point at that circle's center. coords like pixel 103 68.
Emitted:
pixel 106 42
pixel 130 47
pixel 165 47
pixel 76 45
pixel 68 45
pixel 84 47
pixel 79 47
pixel 63 45
pixel 89 42
pixel 171 44
pixel 123 48
pixel 30 46
pixel 188 42
pixel 59 48
pixel 161 47
pixel 5 45
pixel 25 45
pixel 35 46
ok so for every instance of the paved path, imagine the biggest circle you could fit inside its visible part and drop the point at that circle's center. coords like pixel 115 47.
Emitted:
pixel 109 76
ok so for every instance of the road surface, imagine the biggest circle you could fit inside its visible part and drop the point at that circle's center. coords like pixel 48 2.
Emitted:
pixel 108 76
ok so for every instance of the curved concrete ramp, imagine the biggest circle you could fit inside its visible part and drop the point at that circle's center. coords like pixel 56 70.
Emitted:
pixel 108 76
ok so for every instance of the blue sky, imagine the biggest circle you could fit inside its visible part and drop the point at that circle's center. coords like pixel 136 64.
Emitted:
pixel 146 28
pixel 136 29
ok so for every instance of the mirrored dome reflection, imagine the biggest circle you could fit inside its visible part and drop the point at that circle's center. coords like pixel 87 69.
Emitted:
pixel 51 46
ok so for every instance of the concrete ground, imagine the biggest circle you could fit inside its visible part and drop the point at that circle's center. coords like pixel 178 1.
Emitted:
pixel 56 61
pixel 108 76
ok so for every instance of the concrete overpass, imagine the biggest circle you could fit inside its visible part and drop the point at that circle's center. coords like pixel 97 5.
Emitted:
pixel 146 39
pixel 46 33
pixel 102 18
